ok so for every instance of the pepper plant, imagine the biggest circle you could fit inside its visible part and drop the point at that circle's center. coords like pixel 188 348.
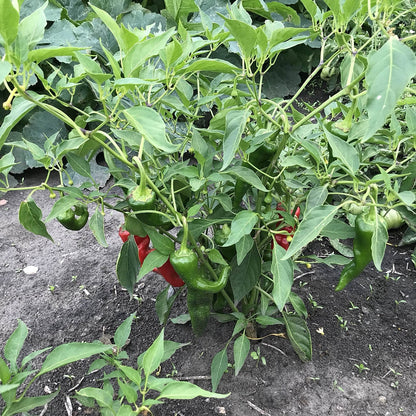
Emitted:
pixel 195 140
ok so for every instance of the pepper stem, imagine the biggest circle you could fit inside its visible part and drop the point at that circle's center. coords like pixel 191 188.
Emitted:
pixel 184 243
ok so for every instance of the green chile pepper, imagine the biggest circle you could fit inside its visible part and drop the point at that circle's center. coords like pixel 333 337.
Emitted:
pixel 364 230
pixel 74 218
pixel 200 289
pixel 220 238
pixel 141 198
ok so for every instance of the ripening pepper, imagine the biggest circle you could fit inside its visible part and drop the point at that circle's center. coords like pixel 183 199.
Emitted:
pixel 365 224
pixel 74 218
pixel 166 270
pixel 283 240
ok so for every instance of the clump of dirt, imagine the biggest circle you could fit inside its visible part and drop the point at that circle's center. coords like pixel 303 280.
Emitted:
pixel 363 337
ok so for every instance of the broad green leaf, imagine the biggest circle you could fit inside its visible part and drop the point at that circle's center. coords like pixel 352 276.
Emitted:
pixel 30 216
pixel 6 163
pixel 142 51
pixel 127 391
pixel 9 20
pixel 180 9
pixel 183 390
pixel 246 175
pixel 210 65
pixel 150 124
pixel 299 336
pixel 61 205
pixel 244 34
pixel 160 242
pixel 164 304
pixel 310 227
pixel 103 398
pixel 338 229
pixel 128 265
pixel 5 372
pixel 241 225
pixel 39 55
pixel 124 38
pixel 123 331
pixel 282 271
pixel 5 68
pixel 219 366
pixel 152 260
pixel 14 345
pixel 68 353
pixel 298 304
pixel 243 246
pixel 19 109
pixel 316 197
pixel 389 71
pixel 235 123
pixel 131 374
pixel 154 355
pixel 343 151
pixel 8 387
pixel 96 225
pixel 28 403
pixel 245 276
pixel 379 241
pixel 241 349
pixel 79 164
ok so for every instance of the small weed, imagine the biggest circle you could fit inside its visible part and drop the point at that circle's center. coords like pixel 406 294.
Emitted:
pixel 398 302
pixel 395 384
pixel 352 307
pixel 74 278
pixel 255 355
pixel 361 367
pixel 337 386
pixel 342 322
pixel 314 303
pixel 51 288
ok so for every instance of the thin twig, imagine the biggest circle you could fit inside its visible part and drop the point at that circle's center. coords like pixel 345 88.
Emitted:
pixel 262 412
pixel 45 408
pixel 193 378
pixel 68 405
pixel 275 348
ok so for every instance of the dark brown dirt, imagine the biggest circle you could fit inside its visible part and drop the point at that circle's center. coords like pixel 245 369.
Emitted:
pixel 375 327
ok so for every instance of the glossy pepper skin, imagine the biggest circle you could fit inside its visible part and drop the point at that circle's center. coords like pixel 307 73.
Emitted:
pixel 283 240
pixel 364 230
pixel 200 289
pixel 166 270
pixel 74 218
pixel 220 238
pixel 141 198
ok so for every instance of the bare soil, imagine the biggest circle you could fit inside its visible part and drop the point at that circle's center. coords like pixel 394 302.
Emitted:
pixel 75 296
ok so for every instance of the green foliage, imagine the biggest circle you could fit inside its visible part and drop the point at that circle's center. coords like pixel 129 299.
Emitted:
pixel 203 105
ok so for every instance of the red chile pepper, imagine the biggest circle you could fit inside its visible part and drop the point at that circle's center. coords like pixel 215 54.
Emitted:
pixel 166 270
pixel 283 240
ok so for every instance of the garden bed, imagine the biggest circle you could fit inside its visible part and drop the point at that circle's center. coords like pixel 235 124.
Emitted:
pixel 363 337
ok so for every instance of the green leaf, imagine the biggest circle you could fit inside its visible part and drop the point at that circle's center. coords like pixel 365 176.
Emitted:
pixel 379 241
pixel 316 197
pixel 298 304
pixel 123 331
pixel 210 65
pixel 152 260
pixel 389 71
pixel 154 355
pixel 127 391
pixel 8 387
pixel 103 398
pixel 183 390
pixel 160 242
pixel 28 403
pixel 61 205
pixel 299 336
pixel 68 353
pixel 241 225
pixel 5 68
pixel 243 246
pixel 30 216
pixel 244 34
pixel 96 224
pixel 246 175
pixel 245 276
pixel 128 265
pixel 310 227
pixel 343 151
pixel 19 109
pixel 282 271
pixel 235 123
pixel 9 20
pixel 5 373
pixel 219 366
pixel 142 51
pixel 79 164
pixel 241 349
pixel 39 55
pixel 14 345
pixel 150 124
pixel 131 374
pixel 164 304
